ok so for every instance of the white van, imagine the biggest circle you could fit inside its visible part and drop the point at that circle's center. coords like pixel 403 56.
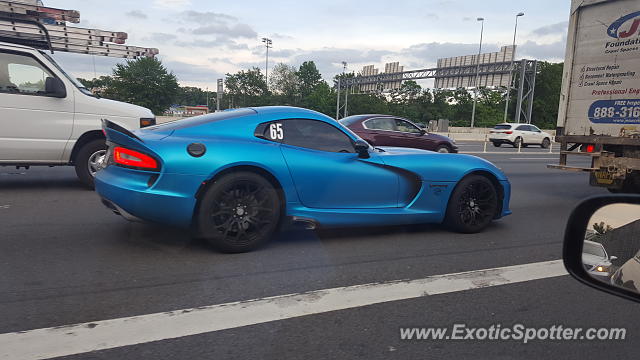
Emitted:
pixel 48 118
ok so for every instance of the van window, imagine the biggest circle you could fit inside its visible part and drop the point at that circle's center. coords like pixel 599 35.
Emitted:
pixel 22 74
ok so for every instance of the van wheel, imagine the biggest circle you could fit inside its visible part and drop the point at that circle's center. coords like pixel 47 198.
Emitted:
pixel 239 212
pixel 88 161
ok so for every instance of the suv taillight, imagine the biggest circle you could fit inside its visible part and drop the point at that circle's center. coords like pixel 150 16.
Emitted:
pixel 508 132
pixel 134 159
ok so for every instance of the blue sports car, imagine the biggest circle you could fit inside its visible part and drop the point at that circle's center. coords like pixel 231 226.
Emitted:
pixel 234 176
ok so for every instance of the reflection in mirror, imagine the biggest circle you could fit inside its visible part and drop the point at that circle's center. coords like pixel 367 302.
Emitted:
pixel 611 250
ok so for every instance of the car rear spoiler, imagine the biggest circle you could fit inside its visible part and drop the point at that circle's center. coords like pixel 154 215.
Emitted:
pixel 109 125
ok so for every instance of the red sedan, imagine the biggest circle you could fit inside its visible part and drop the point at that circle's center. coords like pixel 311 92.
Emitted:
pixel 388 130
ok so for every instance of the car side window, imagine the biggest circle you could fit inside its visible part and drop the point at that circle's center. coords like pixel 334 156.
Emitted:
pixel 316 135
pixel 534 128
pixel 523 128
pixel 386 124
pixel 405 126
pixel 22 74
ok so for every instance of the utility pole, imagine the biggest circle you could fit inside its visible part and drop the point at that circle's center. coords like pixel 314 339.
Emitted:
pixel 344 68
pixel 513 55
pixel 475 89
pixel 267 43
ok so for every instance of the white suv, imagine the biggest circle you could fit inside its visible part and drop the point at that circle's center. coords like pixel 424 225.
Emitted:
pixel 48 118
pixel 519 135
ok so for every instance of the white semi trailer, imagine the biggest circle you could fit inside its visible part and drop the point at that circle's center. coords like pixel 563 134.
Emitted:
pixel 599 113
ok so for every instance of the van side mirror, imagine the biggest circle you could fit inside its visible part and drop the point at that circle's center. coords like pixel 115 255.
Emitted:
pixel 54 87
pixel 362 148
pixel 604 225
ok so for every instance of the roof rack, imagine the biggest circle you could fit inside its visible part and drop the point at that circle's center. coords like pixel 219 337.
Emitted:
pixel 28 23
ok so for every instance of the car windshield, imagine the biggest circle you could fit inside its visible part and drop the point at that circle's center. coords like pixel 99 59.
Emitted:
pixel 73 80
pixel 593 249
pixel 502 127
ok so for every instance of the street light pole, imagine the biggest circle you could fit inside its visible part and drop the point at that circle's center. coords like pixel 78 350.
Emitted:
pixel 267 43
pixel 475 89
pixel 513 55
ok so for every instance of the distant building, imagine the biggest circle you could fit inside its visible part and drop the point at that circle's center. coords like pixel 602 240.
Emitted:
pixel 185 110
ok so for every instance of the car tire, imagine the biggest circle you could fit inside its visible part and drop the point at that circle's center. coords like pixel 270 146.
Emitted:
pixel 472 206
pixel 497 144
pixel 87 159
pixel 443 149
pixel 239 212
pixel 518 142
pixel 545 143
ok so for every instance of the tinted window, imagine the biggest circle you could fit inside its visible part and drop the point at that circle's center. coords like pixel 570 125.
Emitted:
pixel 381 124
pixel 502 127
pixel 406 126
pixel 523 128
pixel 317 135
pixel 534 128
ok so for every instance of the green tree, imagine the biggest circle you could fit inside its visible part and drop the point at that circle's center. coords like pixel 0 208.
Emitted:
pixel 309 77
pixel 247 88
pixel 322 99
pixel 145 82
pixel 601 228
pixel 284 83
pixel 190 95
pixel 547 94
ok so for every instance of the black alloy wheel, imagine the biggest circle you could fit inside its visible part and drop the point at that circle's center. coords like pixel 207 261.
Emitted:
pixel 239 212
pixel 473 205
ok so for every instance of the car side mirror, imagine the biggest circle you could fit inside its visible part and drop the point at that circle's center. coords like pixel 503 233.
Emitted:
pixel 610 223
pixel 423 130
pixel 362 148
pixel 54 87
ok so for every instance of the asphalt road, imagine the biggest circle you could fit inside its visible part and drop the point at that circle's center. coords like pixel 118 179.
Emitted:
pixel 66 259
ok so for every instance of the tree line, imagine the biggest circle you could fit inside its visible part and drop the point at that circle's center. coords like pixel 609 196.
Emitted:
pixel 146 82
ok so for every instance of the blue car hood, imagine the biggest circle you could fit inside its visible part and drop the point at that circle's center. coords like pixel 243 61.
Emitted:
pixel 434 166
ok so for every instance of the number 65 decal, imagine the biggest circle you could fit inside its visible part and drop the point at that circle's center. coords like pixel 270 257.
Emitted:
pixel 275 131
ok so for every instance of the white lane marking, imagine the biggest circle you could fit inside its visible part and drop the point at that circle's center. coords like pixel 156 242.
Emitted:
pixel 510 152
pixel 106 334
pixel 530 158
pixel 5 206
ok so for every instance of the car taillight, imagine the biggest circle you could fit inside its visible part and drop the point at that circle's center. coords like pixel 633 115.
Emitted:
pixel 508 132
pixel 135 159
pixel 144 122
pixel 590 148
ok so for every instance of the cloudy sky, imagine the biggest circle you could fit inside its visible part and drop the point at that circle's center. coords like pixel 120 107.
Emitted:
pixel 201 40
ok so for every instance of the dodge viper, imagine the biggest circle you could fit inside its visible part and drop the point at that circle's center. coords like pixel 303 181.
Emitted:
pixel 233 176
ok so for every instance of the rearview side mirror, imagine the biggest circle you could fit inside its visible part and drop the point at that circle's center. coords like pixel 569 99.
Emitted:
pixel 598 228
pixel 362 148
pixel 54 87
